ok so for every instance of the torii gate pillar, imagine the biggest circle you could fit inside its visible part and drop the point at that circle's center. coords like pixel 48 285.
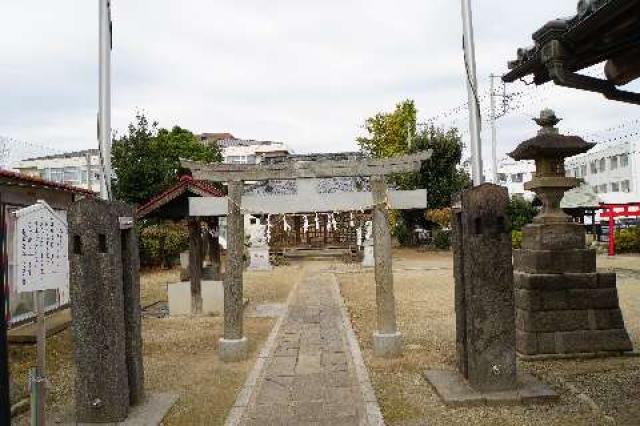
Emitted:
pixel 233 345
pixel 387 340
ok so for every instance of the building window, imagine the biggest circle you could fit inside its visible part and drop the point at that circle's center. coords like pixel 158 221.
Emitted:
pixel 615 187
pixel 517 177
pixel 603 188
pixel 624 160
pixel 596 189
pixel 594 167
pixel 603 165
pixel 613 163
pixel 56 175
pixel 583 170
pixel 502 177
pixel 625 186
pixel 71 174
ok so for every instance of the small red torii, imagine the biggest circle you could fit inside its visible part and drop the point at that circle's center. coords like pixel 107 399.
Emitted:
pixel 612 211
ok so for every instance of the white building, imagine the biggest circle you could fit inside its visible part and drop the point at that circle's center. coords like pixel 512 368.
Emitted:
pixel 241 151
pixel 611 169
pixel 80 169
pixel 514 174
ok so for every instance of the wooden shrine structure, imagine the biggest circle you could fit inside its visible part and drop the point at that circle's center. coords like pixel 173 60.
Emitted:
pixel 173 205
pixel 387 339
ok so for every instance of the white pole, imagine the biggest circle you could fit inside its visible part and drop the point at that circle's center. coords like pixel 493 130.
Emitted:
pixel 104 115
pixel 494 136
pixel 472 89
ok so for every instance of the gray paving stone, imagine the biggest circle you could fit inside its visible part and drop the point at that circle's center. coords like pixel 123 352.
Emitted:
pixel 310 379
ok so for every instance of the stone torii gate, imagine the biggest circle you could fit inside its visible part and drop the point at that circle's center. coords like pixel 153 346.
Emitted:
pixel 387 340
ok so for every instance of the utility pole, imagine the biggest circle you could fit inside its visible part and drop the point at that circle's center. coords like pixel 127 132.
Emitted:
pixel 104 114
pixel 494 142
pixel 472 89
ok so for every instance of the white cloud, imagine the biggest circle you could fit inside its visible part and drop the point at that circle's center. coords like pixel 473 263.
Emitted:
pixel 306 73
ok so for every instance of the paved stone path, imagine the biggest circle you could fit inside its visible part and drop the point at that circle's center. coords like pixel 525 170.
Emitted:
pixel 310 379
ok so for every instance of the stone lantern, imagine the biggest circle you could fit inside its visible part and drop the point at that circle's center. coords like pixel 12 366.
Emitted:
pixel 549 149
pixel 563 305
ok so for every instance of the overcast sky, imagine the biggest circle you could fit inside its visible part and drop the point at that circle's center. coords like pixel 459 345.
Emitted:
pixel 302 72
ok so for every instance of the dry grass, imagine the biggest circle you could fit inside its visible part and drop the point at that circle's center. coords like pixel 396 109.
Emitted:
pixel 179 353
pixel 426 317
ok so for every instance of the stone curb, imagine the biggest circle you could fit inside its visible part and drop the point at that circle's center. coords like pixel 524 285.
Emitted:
pixel 241 404
pixel 374 415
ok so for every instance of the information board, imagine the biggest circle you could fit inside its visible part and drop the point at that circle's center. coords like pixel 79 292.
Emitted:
pixel 41 238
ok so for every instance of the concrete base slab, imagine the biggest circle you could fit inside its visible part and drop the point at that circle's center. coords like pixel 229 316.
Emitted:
pixel 233 350
pixel 150 413
pixel 387 345
pixel 454 391
pixel 179 295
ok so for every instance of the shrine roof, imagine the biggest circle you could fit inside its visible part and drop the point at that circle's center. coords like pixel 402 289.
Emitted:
pixel 186 185
pixel 19 179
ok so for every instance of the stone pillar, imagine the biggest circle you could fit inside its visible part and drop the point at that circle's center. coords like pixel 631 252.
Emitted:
pixel 133 311
pixel 105 309
pixel 485 319
pixel 233 346
pixel 5 402
pixel 387 341
pixel 195 265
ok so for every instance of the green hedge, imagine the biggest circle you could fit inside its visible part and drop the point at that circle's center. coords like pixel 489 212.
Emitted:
pixel 628 240
pixel 161 245
pixel 516 239
pixel 442 239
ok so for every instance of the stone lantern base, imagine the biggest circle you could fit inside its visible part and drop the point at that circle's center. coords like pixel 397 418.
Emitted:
pixel 563 306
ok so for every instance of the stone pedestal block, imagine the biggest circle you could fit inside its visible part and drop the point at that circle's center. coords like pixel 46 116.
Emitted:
pixel 259 259
pixel 230 350
pixel 179 295
pixel 563 306
pixel 368 261
pixel 387 345
pixel 554 236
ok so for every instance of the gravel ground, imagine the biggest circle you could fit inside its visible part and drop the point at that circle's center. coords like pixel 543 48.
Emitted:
pixel 592 392
pixel 179 353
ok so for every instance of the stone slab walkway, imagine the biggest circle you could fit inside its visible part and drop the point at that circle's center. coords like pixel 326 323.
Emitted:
pixel 310 377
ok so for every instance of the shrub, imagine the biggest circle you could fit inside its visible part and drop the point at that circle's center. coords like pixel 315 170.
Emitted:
pixel 442 240
pixel 160 244
pixel 516 239
pixel 521 212
pixel 628 240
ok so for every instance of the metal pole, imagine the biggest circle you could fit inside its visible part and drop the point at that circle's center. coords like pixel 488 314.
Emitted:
pixel 38 377
pixel 104 115
pixel 89 168
pixel 494 142
pixel 472 89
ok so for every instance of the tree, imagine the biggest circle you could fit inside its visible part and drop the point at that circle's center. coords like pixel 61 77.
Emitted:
pixel 146 160
pixel 521 212
pixel 393 134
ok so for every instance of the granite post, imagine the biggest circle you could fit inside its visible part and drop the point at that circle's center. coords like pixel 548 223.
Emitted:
pixel 485 319
pixel 195 265
pixel 233 346
pixel 387 341
pixel 132 303
pixel 484 302
pixel 563 305
pixel 105 310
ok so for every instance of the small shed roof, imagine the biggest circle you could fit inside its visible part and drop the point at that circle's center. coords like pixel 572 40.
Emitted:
pixel 8 177
pixel 174 202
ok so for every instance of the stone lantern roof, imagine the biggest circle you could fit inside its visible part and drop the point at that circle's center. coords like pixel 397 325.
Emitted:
pixel 549 142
